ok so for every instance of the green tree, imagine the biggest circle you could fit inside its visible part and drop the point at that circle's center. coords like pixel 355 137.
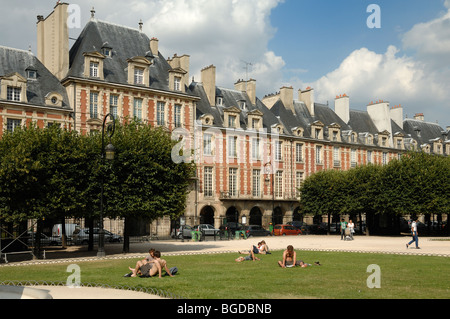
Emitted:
pixel 143 181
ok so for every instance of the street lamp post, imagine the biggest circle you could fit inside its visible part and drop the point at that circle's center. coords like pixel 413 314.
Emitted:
pixel 107 153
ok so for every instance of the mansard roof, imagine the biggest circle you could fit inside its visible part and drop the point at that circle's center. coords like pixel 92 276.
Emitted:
pixel 126 43
pixel 423 132
pixel 15 61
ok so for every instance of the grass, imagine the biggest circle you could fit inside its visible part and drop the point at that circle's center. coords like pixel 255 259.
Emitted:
pixel 341 276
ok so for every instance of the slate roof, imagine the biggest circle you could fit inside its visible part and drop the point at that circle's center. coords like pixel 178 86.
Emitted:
pixel 19 61
pixel 126 43
pixel 428 131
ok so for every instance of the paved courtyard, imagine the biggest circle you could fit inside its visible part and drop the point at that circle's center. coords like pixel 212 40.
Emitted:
pixel 388 245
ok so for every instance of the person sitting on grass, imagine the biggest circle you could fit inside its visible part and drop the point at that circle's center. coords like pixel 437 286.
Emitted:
pixel 260 249
pixel 151 268
pixel 290 259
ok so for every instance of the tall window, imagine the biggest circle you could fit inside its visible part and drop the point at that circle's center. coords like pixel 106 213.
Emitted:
pixel 232 121
pixel 298 182
pixel 94 105
pixel 13 94
pixel 93 70
pixel 232 146
pixel 114 105
pixel 256 153
pixel 177 116
pixel 177 83
pixel 232 185
pixel 353 158
pixel 161 114
pixel 299 153
pixel 138 76
pixel 385 158
pixel 369 157
pixel 319 155
pixel 256 177
pixel 278 151
pixel 11 124
pixel 336 157
pixel 207 144
pixel 208 182
pixel 138 109
pixel 279 184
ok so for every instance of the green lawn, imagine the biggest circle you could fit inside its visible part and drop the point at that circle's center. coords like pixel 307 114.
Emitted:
pixel 342 276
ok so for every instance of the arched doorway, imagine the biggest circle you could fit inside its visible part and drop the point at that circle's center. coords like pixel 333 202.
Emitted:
pixel 297 216
pixel 232 215
pixel 277 216
pixel 207 215
pixel 255 216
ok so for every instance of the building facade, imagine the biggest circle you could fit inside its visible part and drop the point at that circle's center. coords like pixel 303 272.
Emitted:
pixel 252 154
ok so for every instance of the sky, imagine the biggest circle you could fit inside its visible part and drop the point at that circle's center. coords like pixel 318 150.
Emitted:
pixel 331 46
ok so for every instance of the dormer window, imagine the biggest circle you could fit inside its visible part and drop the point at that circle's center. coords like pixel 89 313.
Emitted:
pixel 317 130
pixel 94 70
pixel 231 117
pixel 138 76
pixel 232 120
pixel 54 99
pixel 298 131
pixel 107 50
pixel 13 94
pixel 139 71
pixel 13 88
pixel 31 74
pixel 219 101
pixel 93 65
pixel 242 105
pixel 177 83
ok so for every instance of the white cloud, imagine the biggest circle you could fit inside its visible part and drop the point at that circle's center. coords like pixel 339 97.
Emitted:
pixel 419 81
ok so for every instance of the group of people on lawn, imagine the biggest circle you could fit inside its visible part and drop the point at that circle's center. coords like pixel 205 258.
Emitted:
pixel 289 256
pixel 153 265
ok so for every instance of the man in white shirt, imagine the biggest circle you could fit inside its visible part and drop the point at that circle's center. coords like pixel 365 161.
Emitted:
pixel 415 234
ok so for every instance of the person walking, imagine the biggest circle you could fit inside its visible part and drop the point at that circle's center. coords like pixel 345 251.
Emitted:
pixel 343 227
pixel 415 234
pixel 351 226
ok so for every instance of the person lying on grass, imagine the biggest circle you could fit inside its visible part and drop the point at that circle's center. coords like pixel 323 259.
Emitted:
pixel 250 256
pixel 290 259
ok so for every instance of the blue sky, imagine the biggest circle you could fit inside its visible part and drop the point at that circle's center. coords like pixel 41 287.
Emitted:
pixel 323 44
pixel 317 35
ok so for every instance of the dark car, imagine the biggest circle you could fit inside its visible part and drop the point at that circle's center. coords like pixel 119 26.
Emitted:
pixel 256 230
pixel 300 225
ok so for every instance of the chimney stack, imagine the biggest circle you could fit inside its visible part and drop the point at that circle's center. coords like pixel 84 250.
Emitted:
pixel 397 115
pixel 249 87
pixel 287 97
pixel 208 75
pixel 380 114
pixel 342 107
pixel 53 41
pixel 154 46
pixel 307 97
pixel 419 117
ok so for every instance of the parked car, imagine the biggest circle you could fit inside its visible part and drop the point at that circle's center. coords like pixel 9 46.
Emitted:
pixel 233 226
pixel 207 229
pixel 300 225
pixel 183 231
pixel 256 230
pixel 45 240
pixel 81 236
pixel 70 229
pixel 283 230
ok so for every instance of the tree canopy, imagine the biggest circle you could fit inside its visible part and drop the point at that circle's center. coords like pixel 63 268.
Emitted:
pixel 57 173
